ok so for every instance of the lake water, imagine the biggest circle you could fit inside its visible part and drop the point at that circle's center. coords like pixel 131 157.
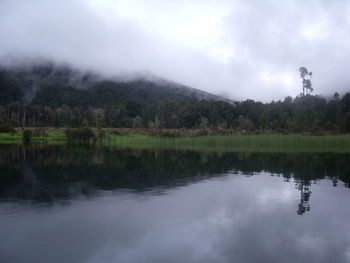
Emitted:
pixel 73 204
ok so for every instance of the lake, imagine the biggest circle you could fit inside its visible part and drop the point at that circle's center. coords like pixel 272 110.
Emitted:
pixel 106 204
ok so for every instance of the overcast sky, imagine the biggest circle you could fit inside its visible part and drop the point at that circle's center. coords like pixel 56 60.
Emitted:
pixel 238 48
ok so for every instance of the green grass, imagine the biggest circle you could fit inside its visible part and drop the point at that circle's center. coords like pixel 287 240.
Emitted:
pixel 249 143
pixel 53 136
pixel 9 138
pixel 242 143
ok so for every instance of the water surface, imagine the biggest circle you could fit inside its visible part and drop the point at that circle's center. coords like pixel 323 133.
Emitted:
pixel 73 204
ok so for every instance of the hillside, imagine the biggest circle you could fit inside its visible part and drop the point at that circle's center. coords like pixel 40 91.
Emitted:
pixel 48 95
pixel 47 84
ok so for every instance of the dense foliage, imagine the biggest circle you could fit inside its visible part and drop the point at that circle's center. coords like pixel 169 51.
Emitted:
pixel 52 98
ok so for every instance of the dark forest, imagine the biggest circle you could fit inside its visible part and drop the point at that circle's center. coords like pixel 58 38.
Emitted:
pixel 51 96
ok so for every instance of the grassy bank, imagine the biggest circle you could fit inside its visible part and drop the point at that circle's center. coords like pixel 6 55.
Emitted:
pixel 249 143
pixel 195 141
pixel 50 136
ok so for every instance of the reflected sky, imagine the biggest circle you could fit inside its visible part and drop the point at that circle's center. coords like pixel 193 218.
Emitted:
pixel 231 218
pixel 103 204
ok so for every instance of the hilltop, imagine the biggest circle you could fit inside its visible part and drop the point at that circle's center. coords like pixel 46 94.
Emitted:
pixel 49 84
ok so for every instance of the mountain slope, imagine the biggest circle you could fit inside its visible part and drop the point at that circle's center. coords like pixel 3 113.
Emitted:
pixel 56 85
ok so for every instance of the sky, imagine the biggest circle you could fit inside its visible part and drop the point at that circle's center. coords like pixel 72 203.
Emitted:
pixel 240 49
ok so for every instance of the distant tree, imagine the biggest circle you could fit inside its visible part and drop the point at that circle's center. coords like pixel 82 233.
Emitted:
pixel 173 121
pixel 137 122
pixel 306 80
pixel 336 96
pixel 114 114
pixel 203 123
pixel 245 124
pixel 97 116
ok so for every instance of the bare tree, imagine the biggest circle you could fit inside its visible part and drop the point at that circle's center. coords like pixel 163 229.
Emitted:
pixel 306 80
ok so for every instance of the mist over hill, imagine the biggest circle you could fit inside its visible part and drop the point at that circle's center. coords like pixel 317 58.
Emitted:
pixel 48 94
pixel 47 83
pixel 42 93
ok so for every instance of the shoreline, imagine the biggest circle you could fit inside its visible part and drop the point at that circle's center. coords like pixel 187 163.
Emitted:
pixel 133 138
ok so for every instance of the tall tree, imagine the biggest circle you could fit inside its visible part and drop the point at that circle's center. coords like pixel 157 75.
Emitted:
pixel 306 80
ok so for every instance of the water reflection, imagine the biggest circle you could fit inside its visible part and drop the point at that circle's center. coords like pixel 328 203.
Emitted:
pixel 305 192
pixel 48 173
pixel 60 204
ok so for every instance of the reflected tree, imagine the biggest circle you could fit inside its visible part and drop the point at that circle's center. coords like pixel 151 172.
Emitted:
pixel 304 187
pixel 65 172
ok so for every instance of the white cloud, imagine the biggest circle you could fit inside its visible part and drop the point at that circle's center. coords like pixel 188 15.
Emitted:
pixel 245 49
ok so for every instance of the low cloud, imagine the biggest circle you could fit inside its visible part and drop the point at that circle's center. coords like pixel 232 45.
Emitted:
pixel 240 49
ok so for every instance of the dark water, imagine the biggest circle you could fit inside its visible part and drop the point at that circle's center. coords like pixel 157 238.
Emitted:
pixel 60 204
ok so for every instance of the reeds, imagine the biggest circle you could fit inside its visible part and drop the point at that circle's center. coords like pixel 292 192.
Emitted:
pixel 250 143
pixel 205 139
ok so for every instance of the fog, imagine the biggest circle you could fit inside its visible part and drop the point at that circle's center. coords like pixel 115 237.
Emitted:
pixel 239 49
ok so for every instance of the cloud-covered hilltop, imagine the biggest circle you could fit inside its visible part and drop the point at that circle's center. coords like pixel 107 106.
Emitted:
pixel 38 80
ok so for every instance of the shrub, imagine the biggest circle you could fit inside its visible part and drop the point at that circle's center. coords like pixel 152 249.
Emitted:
pixel 201 132
pixel 4 128
pixel 165 133
pixel 40 132
pixel 119 132
pixel 101 133
pixel 26 136
pixel 81 135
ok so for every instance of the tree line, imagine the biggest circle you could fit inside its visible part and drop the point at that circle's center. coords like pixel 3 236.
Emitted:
pixel 143 104
pixel 308 113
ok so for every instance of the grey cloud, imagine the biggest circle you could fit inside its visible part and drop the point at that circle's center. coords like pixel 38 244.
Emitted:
pixel 272 35
pixel 263 36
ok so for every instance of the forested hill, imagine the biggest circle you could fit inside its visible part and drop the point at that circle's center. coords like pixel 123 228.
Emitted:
pixel 48 95
pixel 53 85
